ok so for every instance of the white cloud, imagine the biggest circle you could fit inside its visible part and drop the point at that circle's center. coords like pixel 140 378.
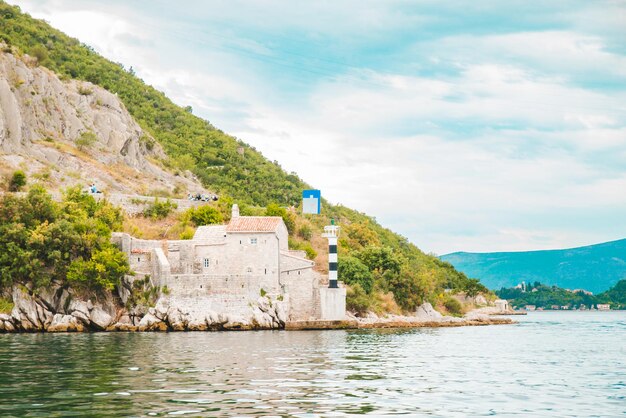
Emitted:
pixel 481 157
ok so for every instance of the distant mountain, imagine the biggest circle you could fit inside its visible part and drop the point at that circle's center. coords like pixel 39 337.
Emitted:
pixel 595 267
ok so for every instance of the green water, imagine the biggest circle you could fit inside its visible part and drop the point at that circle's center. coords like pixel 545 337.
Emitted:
pixel 551 364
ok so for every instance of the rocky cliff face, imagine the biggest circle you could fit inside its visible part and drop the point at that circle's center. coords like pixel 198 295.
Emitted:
pixel 61 309
pixel 42 117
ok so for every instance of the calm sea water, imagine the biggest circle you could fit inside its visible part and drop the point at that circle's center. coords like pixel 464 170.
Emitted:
pixel 550 364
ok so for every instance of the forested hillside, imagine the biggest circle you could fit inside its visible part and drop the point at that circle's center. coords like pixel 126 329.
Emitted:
pixel 383 268
pixel 554 297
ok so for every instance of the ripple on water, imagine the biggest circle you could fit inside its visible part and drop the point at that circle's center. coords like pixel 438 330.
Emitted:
pixel 551 364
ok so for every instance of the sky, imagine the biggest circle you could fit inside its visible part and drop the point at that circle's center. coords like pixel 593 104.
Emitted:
pixel 464 126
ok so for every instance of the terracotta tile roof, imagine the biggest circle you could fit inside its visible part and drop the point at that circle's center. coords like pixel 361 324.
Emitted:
pixel 254 224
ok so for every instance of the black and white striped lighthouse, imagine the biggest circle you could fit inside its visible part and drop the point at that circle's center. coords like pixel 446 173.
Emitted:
pixel 332 233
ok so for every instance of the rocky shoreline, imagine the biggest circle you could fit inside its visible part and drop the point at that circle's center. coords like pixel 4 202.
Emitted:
pixel 426 316
pixel 61 310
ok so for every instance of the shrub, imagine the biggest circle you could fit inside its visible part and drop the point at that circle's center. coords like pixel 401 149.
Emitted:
pixel 357 300
pixel 84 91
pixel 305 232
pixel 204 215
pixel 187 233
pixel 17 181
pixel 147 141
pixel 41 53
pixel 6 305
pixel 352 271
pixel 105 269
pixel 142 293
pixel 453 306
pixel 159 209
pixel 310 252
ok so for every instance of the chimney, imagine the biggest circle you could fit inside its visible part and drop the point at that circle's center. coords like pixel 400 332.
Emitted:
pixel 235 211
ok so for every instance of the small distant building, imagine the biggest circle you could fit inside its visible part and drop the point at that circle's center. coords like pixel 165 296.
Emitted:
pixel 554 307
pixel 530 307
pixel 565 307
pixel 502 305
pixel 604 307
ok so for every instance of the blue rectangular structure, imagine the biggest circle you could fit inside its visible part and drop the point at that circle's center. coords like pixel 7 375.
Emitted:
pixel 311 201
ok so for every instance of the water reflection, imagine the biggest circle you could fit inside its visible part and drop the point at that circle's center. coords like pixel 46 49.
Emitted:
pixel 564 364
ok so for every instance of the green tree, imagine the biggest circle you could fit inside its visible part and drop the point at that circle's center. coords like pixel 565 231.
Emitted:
pixel 105 269
pixel 204 215
pixel 40 53
pixel 361 235
pixel 352 271
pixel 42 241
pixel 273 209
pixel 473 287
pixel 380 259
pixel 86 140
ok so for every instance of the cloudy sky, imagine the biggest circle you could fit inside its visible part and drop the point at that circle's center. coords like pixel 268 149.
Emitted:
pixel 476 126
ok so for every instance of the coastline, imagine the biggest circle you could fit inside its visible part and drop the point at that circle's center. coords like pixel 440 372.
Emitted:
pixel 166 320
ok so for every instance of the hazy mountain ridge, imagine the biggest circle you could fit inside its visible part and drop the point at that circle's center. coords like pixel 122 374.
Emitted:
pixel 594 267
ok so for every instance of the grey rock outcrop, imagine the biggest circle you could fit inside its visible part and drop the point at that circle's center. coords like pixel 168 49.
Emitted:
pixel 27 313
pixel 58 309
pixel 65 323
pixel 100 318
pixel 426 312
pixel 41 117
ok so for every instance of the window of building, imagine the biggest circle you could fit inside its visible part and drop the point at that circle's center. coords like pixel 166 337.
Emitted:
pixel 206 262
pixel 253 241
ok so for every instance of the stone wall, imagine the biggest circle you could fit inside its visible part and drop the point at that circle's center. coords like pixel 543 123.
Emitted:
pixel 302 291
pixel 194 285
pixel 333 303
pixel 161 270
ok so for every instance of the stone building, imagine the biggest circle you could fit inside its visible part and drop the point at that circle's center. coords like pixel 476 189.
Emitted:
pixel 502 305
pixel 226 268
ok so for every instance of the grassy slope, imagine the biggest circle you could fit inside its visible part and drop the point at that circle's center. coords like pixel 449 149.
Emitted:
pixel 193 143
